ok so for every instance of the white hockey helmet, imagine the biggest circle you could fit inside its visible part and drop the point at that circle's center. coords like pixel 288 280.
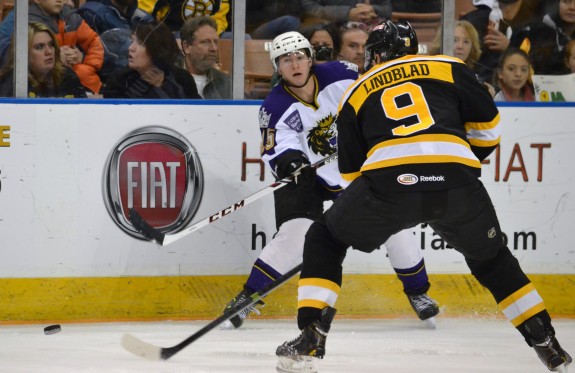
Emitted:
pixel 287 43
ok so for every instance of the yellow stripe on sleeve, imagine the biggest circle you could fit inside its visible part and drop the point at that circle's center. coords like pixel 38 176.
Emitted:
pixel 484 143
pixel 483 125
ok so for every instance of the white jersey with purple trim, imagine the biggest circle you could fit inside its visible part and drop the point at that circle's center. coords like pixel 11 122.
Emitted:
pixel 286 122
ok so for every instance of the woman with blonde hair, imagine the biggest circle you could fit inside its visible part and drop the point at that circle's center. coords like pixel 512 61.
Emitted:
pixel 466 45
pixel 47 76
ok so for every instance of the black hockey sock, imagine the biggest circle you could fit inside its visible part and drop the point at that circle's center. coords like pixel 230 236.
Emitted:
pixel 323 255
pixel 502 275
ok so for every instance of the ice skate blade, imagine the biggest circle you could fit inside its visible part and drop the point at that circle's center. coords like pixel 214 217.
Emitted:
pixel 297 364
pixel 430 323
pixel 561 368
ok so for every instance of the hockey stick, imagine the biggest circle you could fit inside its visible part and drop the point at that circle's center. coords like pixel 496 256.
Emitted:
pixel 165 239
pixel 151 352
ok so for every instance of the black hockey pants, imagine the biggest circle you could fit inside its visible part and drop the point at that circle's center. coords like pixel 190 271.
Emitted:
pixel 464 217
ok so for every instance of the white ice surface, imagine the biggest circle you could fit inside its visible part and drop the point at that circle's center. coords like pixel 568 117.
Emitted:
pixel 362 346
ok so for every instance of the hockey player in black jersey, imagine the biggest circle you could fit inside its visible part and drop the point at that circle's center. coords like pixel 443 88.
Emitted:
pixel 412 132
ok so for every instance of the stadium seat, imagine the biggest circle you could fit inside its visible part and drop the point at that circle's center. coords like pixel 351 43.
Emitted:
pixel 258 69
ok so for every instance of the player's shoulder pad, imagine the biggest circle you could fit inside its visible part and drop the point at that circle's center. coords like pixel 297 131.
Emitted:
pixel 274 106
pixel 334 71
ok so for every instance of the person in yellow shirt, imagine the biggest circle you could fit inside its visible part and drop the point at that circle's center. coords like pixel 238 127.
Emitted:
pixel 175 12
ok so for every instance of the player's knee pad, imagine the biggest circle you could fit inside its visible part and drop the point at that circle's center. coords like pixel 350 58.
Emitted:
pixel 285 250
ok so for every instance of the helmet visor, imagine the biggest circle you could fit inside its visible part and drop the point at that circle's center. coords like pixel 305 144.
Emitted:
pixel 292 58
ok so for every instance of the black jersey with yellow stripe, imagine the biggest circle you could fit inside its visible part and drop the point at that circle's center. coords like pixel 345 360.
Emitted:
pixel 417 122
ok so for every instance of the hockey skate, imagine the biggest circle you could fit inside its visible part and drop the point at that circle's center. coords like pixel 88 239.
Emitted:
pixel 238 320
pixel 425 308
pixel 552 355
pixel 546 345
pixel 302 353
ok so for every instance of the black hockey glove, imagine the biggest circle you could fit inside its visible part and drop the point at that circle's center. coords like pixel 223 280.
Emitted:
pixel 291 161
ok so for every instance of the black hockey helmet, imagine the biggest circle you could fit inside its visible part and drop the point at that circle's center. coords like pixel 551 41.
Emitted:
pixel 389 41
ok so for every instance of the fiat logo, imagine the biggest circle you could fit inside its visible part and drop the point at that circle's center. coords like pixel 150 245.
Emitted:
pixel 156 171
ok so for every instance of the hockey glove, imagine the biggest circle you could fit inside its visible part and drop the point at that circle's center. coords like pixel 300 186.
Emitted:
pixel 291 161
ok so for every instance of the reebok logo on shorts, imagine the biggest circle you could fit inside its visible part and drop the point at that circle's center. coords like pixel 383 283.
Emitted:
pixel 411 179
pixel 432 178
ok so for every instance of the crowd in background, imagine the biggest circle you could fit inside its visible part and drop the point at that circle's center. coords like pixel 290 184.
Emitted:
pixel 170 48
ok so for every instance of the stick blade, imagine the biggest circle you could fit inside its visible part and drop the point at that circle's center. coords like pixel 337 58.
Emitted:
pixel 140 348
pixel 146 229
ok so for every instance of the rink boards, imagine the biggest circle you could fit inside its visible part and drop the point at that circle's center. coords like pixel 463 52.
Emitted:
pixel 69 172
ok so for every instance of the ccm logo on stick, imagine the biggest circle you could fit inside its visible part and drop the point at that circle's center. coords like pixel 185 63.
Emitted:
pixel 226 211
pixel 156 171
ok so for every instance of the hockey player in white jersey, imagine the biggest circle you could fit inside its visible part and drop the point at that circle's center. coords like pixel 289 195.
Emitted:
pixel 297 122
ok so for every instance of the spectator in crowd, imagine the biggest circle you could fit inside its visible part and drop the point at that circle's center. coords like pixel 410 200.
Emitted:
pixel 200 46
pixel 466 46
pixel 151 71
pixel 6 31
pixel 324 40
pixel 512 77
pixel 175 12
pixel 47 76
pixel 570 56
pixel 548 36
pixel 104 15
pixel 341 11
pixel 80 47
pixel 266 19
pixel 466 43
pixel 112 20
pixel 514 14
pixel 353 36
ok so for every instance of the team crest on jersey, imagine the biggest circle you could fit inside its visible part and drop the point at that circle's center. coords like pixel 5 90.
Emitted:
pixel 322 138
pixel 264 118
pixel 294 122
pixel 407 179
pixel 196 8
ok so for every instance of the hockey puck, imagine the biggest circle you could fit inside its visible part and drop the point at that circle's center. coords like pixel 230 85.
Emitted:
pixel 52 329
